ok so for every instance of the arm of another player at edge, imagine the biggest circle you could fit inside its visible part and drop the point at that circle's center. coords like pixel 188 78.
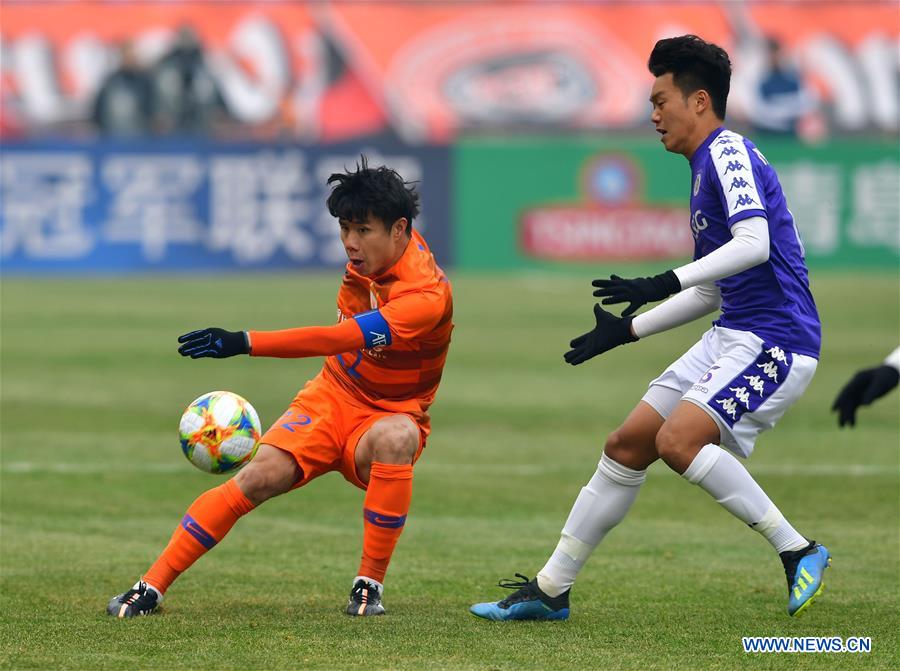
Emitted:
pixel 893 359
pixel 749 247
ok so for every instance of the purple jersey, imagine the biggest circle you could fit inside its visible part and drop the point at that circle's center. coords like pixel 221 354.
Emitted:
pixel 731 181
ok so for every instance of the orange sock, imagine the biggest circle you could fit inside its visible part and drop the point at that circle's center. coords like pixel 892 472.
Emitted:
pixel 384 514
pixel 206 522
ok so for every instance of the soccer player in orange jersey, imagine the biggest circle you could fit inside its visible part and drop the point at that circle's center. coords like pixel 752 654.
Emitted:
pixel 365 414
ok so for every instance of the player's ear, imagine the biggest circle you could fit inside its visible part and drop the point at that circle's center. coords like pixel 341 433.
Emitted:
pixel 399 227
pixel 702 101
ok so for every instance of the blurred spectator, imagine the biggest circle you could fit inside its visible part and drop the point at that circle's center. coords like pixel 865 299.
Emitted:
pixel 11 124
pixel 124 105
pixel 782 101
pixel 189 101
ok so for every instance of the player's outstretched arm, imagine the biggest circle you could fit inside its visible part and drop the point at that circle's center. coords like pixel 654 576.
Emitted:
pixel 636 292
pixel 213 342
pixel 748 247
pixel 681 308
pixel 289 343
pixel 345 336
pixel 866 386
pixel 610 331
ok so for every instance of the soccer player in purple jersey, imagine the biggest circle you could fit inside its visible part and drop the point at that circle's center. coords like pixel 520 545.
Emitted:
pixel 743 373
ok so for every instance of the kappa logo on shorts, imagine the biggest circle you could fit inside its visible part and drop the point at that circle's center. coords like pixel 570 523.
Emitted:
pixel 753 385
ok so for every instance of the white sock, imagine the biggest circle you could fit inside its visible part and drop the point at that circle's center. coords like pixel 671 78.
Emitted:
pixel 600 506
pixel 729 483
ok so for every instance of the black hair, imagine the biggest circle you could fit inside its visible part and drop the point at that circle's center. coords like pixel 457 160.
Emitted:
pixel 379 191
pixel 695 64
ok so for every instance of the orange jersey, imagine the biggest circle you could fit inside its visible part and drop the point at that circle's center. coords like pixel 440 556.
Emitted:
pixel 390 343
pixel 405 315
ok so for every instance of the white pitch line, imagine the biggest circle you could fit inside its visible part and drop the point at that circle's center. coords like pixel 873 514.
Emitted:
pixel 787 470
pixel 853 470
pixel 522 470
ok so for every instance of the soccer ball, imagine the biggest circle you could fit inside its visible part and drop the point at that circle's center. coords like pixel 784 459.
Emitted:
pixel 219 432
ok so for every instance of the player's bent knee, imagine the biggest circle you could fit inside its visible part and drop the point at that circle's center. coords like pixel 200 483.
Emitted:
pixel 270 473
pixel 394 441
pixel 672 447
pixel 616 447
pixel 629 450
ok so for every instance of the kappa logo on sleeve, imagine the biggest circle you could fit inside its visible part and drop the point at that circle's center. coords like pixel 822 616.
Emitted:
pixel 738 183
pixel 735 169
pixel 744 200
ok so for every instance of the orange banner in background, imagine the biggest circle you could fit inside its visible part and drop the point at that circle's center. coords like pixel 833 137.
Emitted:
pixel 427 72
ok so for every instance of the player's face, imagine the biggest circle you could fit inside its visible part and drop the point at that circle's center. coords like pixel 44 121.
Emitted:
pixel 371 247
pixel 672 115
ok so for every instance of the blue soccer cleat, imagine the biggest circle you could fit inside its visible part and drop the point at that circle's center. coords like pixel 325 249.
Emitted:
pixel 804 570
pixel 528 602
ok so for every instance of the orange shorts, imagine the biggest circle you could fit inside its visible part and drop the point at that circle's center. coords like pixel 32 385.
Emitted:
pixel 322 427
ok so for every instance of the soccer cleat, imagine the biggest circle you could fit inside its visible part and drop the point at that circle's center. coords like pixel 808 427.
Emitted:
pixel 804 570
pixel 528 602
pixel 365 599
pixel 139 600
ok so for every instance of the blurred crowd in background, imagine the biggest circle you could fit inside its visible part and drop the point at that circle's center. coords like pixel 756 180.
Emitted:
pixel 324 72
pixel 177 94
pixel 164 135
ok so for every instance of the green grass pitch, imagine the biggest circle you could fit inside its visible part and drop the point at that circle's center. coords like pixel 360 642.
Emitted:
pixel 93 483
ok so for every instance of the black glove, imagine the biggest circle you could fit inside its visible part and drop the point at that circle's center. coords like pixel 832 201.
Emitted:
pixel 638 291
pixel 863 388
pixel 213 342
pixel 611 331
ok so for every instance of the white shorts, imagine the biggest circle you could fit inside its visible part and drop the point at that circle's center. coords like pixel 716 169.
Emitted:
pixel 742 382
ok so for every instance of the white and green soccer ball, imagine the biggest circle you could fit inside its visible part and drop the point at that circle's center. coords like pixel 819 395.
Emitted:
pixel 219 432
